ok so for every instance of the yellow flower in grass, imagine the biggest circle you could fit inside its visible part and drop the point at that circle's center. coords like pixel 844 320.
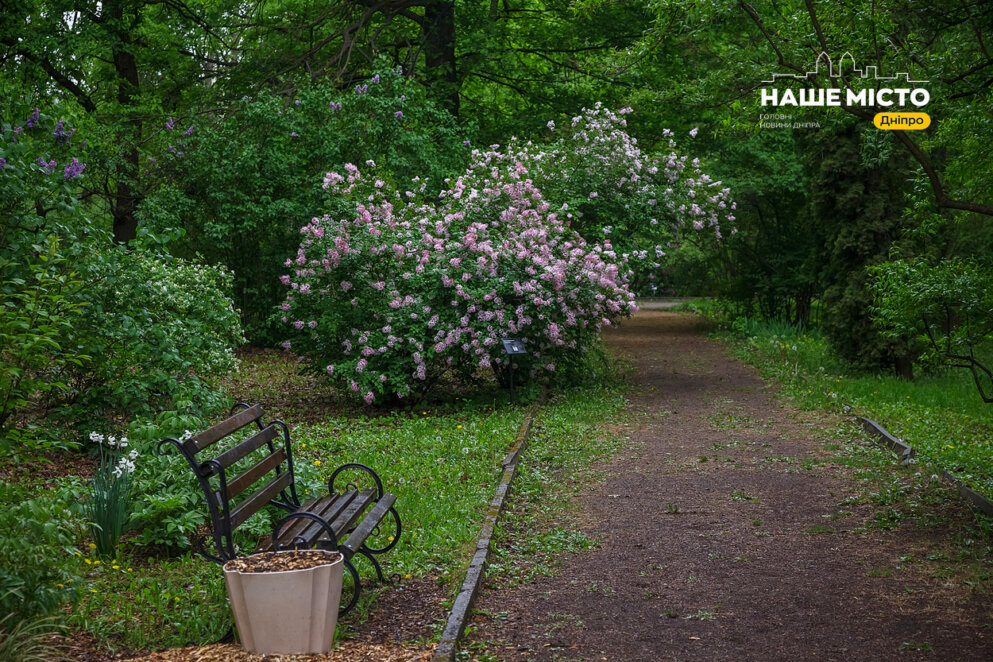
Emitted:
pixel 88 562
pixel 317 463
pixel 93 546
pixel 116 567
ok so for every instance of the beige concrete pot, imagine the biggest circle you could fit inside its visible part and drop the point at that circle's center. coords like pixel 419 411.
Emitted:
pixel 289 611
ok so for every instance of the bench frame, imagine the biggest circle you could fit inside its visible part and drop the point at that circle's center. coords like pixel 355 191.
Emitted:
pixel 358 513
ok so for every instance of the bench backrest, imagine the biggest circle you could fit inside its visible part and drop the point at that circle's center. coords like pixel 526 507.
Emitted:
pixel 242 465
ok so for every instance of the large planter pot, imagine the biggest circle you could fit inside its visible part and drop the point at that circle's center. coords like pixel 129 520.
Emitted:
pixel 285 602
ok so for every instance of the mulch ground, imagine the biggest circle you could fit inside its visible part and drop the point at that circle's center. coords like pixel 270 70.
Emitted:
pixel 399 627
pixel 743 556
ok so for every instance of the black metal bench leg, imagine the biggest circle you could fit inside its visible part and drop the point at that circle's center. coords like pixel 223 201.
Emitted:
pixel 357 588
pixel 375 564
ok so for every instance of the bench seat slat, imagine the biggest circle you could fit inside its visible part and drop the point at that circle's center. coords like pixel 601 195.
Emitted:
pixel 346 519
pixel 254 503
pixel 369 522
pixel 211 435
pixel 232 455
pixel 327 507
pixel 248 478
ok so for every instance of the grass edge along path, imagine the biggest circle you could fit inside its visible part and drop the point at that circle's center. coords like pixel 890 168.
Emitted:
pixel 940 415
pixel 462 606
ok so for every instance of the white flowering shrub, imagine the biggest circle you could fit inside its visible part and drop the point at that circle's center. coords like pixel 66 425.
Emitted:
pixel 160 332
pixel 605 182
pixel 605 185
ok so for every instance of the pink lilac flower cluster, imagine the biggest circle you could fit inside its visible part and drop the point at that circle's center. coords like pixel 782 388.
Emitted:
pixel 405 290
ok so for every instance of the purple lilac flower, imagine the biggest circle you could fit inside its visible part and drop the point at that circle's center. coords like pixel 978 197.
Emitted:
pixel 294 134
pixel 398 114
pixel 3 163
pixel 49 167
pixel 33 120
pixel 189 131
pixel 375 80
pixel 60 133
pixel 169 124
pixel 361 89
pixel 74 169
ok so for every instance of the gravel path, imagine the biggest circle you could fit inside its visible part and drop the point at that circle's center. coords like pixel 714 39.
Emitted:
pixel 725 535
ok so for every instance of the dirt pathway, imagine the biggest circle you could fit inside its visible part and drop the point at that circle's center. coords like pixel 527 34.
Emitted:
pixel 748 555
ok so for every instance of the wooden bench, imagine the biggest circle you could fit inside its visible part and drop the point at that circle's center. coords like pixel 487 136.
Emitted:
pixel 254 468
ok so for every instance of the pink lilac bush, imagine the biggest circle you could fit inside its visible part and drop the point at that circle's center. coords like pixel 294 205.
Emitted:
pixel 392 296
pixel 405 290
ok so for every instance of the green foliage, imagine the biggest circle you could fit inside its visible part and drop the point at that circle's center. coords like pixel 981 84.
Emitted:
pixel 167 506
pixel 245 183
pixel 38 314
pixel 35 578
pixel 770 264
pixel 38 306
pixel 945 306
pixel 160 331
pixel 30 640
pixel 860 208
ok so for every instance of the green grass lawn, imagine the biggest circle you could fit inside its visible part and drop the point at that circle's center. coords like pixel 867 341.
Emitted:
pixel 941 414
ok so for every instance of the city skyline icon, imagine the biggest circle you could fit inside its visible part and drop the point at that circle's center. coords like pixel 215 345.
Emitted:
pixel 846 61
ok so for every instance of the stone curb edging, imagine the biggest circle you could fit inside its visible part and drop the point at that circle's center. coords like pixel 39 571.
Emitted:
pixel 906 454
pixel 462 606
pixel 966 492
pixel 902 449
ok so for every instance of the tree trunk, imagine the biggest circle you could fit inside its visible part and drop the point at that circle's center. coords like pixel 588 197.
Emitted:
pixel 439 53
pixel 125 200
pixel 904 365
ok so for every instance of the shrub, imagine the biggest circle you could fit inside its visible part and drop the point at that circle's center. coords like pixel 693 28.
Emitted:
pixel 38 179
pixel 607 186
pixel 161 331
pixel 943 307
pixel 34 579
pixel 388 300
pixel 241 185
